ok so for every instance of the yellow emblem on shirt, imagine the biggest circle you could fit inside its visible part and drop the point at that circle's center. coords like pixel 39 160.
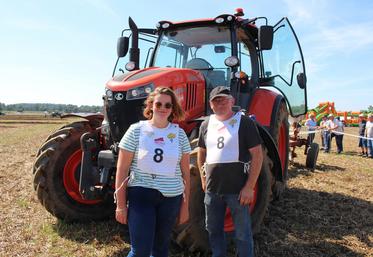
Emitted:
pixel 171 136
pixel 232 122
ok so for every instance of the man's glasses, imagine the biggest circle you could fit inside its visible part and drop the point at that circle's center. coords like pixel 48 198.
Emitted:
pixel 158 105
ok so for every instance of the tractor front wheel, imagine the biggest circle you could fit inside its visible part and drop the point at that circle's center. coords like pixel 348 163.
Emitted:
pixel 56 177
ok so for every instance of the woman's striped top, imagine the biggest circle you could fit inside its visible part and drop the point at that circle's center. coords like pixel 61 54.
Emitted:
pixel 168 186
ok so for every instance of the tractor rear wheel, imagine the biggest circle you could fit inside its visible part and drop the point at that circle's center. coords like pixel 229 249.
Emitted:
pixel 280 133
pixel 56 177
pixel 193 236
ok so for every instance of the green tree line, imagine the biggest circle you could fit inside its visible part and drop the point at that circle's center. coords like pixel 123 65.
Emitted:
pixel 65 108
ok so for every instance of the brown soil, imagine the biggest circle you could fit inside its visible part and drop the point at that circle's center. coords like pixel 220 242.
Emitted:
pixel 328 212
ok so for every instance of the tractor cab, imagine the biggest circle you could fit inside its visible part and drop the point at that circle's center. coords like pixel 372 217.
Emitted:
pixel 227 51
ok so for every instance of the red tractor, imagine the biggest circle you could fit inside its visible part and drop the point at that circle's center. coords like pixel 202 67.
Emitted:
pixel 74 172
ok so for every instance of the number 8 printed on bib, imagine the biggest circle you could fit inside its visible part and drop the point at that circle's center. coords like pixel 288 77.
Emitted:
pixel 222 140
pixel 158 149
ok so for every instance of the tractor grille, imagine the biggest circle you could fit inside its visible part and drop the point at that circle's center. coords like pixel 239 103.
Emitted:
pixel 122 113
pixel 191 91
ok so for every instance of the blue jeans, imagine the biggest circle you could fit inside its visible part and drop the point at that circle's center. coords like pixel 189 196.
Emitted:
pixel 215 206
pixel 327 141
pixel 151 217
pixel 370 147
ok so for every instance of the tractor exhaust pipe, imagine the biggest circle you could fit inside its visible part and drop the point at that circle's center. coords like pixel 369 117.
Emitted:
pixel 134 50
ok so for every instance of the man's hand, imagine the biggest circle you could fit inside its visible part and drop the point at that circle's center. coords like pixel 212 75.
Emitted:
pixel 184 212
pixel 203 183
pixel 246 196
pixel 201 158
pixel 121 215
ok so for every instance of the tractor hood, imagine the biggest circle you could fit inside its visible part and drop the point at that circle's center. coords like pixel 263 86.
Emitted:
pixel 169 77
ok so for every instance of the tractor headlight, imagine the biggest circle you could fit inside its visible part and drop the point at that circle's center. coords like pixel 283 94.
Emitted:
pixel 130 66
pixel 139 92
pixel 219 20
pixel 109 94
pixel 231 61
pixel 105 129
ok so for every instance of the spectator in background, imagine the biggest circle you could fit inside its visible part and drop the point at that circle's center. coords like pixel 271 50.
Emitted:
pixel 311 125
pixel 330 126
pixel 338 134
pixel 294 131
pixel 369 135
pixel 362 141
pixel 322 126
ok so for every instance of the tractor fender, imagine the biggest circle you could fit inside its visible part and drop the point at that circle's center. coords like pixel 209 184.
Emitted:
pixel 263 104
pixel 270 112
pixel 94 119
pixel 272 152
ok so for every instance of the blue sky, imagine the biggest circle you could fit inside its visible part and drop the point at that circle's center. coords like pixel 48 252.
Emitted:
pixel 64 51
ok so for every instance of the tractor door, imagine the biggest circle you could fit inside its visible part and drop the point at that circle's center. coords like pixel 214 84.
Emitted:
pixel 283 67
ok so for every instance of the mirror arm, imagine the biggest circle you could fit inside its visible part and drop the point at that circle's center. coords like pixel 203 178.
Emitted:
pixel 282 26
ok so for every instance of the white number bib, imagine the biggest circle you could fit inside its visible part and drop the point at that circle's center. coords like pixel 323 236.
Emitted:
pixel 222 140
pixel 158 149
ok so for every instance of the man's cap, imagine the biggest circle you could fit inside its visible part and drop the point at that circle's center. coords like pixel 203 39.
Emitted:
pixel 330 115
pixel 219 91
pixel 362 115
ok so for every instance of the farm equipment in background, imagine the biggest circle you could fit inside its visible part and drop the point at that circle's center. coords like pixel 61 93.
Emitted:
pixel 311 150
pixel 74 172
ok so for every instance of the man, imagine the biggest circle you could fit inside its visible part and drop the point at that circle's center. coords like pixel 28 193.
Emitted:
pixel 338 132
pixel 362 141
pixel 311 125
pixel 369 135
pixel 330 126
pixel 322 134
pixel 228 142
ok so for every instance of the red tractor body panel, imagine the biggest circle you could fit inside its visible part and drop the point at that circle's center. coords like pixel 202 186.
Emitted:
pixel 262 106
pixel 188 85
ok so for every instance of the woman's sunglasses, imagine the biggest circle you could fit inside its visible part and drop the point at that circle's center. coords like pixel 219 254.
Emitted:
pixel 158 105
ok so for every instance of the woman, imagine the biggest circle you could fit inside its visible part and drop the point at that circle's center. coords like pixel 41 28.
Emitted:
pixel 156 152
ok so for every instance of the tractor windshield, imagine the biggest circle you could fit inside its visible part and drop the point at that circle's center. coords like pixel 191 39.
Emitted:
pixel 198 48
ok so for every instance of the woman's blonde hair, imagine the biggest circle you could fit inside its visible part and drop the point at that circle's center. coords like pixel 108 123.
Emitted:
pixel 177 112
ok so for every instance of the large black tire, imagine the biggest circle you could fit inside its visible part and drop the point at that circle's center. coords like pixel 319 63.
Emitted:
pixel 280 133
pixel 312 154
pixel 53 189
pixel 263 196
pixel 193 236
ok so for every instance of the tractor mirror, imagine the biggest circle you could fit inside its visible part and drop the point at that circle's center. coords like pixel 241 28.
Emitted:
pixel 122 46
pixel 302 80
pixel 265 37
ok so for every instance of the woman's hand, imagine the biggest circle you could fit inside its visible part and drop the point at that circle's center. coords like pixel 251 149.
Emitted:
pixel 121 215
pixel 184 212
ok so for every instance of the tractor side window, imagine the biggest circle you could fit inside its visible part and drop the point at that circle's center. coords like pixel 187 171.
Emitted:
pixel 169 53
pixel 244 56
pixel 284 65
